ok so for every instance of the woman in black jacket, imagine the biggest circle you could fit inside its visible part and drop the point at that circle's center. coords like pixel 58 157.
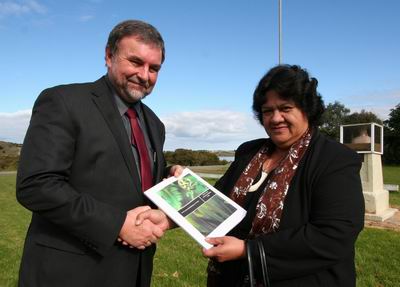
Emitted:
pixel 302 192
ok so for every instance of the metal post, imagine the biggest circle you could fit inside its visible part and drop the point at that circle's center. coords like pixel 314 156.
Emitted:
pixel 280 32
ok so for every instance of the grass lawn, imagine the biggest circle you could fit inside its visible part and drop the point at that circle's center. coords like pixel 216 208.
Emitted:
pixel 216 169
pixel 178 260
pixel 394 199
pixel 391 175
pixel 14 221
pixel 377 258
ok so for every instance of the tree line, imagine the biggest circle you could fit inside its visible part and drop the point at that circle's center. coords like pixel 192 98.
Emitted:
pixel 188 157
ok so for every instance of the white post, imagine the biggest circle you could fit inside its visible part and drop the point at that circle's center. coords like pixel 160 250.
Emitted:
pixel 375 196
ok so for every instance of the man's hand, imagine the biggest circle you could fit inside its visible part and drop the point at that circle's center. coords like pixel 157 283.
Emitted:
pixel 225 248
pixel 139 236
pixel 157 217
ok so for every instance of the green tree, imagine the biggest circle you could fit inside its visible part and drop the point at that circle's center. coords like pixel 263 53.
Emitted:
pixel 190 158
pixel 362 117
pixel 332 118
pixel 391 153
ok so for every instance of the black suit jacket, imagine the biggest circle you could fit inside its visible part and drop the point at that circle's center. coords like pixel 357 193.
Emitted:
pixel 77 175
pixel 322 216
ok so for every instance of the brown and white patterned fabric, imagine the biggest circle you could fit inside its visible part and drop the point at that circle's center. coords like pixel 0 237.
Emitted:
pixel 270 204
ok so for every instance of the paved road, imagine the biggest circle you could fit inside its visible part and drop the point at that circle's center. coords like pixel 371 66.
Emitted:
pixel 208 175
pixel 7 172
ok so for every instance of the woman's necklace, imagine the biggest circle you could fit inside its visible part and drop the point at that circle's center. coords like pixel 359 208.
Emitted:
pixel 269 165
pixel 255 186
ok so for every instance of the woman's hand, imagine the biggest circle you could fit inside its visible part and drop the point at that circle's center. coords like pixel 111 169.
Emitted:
pixel 176 170
pixel 225 248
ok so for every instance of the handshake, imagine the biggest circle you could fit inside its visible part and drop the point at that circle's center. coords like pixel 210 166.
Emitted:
pixel 143 226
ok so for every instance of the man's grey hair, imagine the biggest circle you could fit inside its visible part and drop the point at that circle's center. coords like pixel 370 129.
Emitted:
pixel 145 33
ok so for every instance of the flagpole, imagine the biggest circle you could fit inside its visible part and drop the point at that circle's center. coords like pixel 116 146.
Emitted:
pixel 280 32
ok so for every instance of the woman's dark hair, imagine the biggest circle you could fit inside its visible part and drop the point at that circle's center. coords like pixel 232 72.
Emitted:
pixel 290 83
pixel 145 32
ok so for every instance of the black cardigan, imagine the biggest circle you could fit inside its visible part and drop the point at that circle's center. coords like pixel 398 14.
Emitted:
pixel 322 217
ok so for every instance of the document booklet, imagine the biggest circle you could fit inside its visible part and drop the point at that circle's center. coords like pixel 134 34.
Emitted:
pixel 196 206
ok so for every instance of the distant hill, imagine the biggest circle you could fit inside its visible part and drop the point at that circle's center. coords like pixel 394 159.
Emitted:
pixel 9 155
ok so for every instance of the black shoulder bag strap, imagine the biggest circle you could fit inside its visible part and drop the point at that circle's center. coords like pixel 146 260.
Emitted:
pixel 263 259
pixel 250 262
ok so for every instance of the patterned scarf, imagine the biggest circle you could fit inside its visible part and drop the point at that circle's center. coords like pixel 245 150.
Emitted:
pixel 270 204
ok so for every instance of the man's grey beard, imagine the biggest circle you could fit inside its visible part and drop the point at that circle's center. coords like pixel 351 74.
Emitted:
pixel 136 95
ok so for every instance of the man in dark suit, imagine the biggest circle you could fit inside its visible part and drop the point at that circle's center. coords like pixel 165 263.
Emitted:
pixel 90 151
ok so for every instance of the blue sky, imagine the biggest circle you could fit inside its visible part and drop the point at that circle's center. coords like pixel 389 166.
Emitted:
pixel 216 53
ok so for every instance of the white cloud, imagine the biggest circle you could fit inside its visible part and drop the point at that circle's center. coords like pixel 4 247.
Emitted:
pixel 382 111
pixel 378 102
pixel 210 129
pixel 13 126
pixel 22 7
pixel 36 7
pixel 86 18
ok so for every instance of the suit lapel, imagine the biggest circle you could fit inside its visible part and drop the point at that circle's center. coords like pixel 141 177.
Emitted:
pixel 102 97
pixel 156 141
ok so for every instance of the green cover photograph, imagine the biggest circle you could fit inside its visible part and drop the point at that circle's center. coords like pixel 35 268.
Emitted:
pixel 196 206
pixel 197 203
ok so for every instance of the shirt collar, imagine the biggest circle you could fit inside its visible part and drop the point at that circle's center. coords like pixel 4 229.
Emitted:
pixel 122 105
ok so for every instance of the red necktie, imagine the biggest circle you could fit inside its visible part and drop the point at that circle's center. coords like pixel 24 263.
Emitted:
pixel 138 139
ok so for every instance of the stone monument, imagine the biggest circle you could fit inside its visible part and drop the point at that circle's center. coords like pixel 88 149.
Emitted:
pixel 367 140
